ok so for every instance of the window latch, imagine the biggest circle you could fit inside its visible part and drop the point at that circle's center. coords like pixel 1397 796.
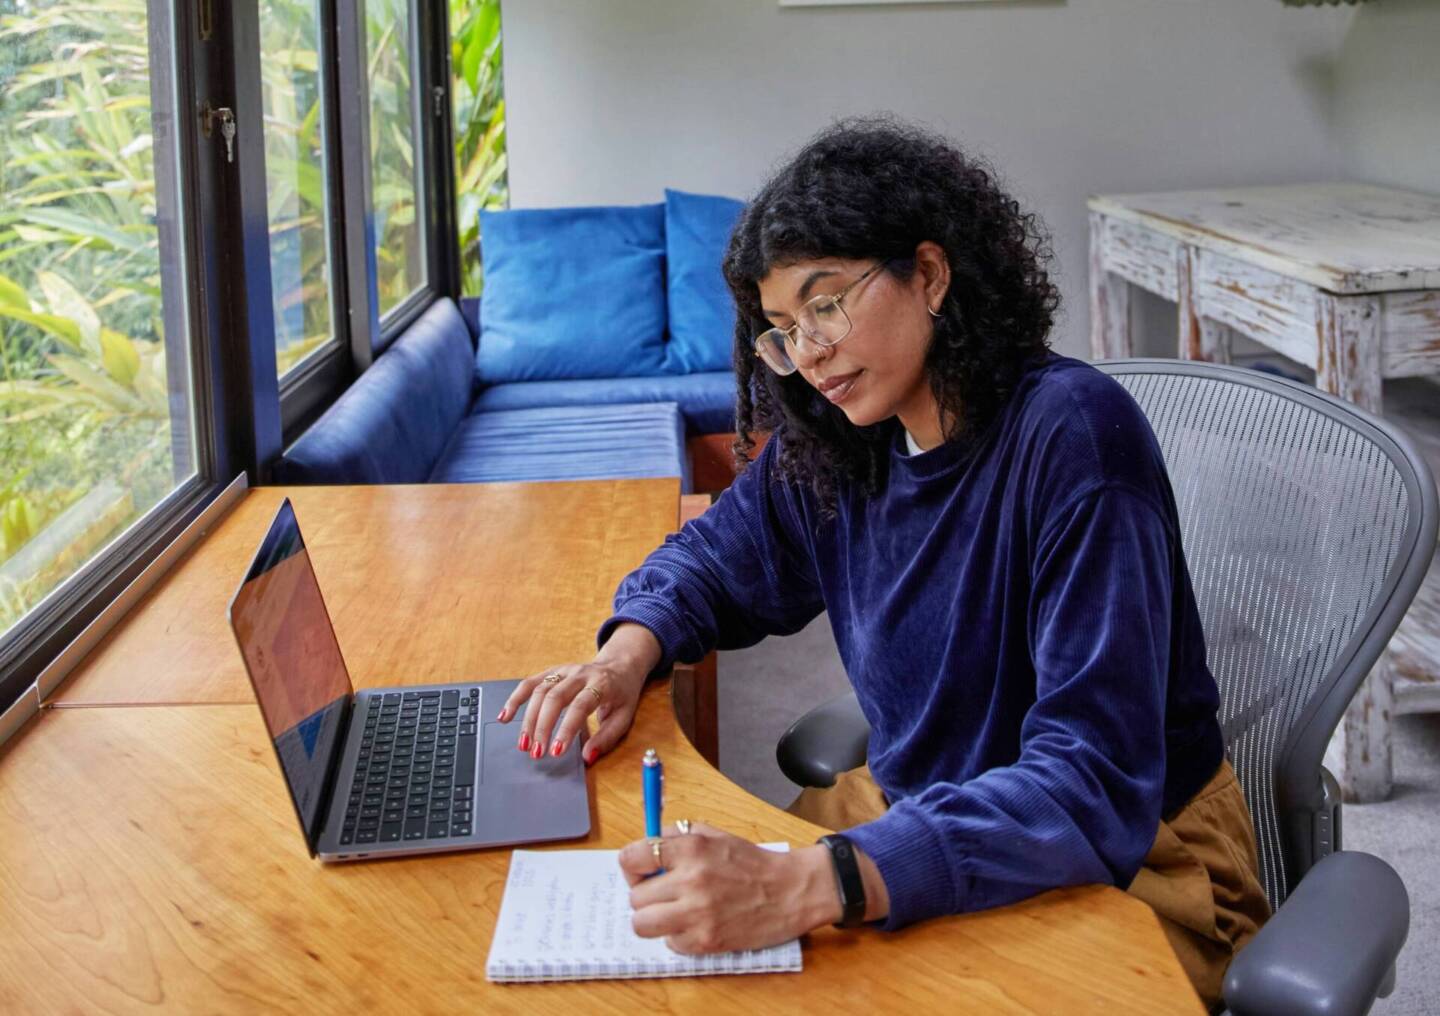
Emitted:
pixel 208 115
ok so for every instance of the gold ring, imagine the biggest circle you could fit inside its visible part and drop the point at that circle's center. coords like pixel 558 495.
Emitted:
pixel 551 679
pixel 591 689
pixel 683 825
pixel 655 850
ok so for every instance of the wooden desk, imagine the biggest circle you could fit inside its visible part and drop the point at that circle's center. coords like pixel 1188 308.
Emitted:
pixel 428 583
pixel 1342 278
pixel 134 880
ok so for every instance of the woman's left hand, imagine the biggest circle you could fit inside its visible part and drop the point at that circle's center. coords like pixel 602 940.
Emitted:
pixel 719 892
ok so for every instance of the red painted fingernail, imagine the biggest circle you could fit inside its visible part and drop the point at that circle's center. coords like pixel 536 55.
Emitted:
pixel 539 750
pixel 524 742
pixel 558 747
pixel 590 754
pixel 501 717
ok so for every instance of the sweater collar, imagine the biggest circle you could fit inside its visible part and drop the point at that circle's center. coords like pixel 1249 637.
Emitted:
pixel 938 461
pixel 948 456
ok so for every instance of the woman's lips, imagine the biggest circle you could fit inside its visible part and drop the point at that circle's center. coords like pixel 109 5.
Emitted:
pixel 836 389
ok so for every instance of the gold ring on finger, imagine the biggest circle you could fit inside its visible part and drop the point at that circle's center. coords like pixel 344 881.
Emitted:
pixel 655 851
pixel 591 689
pixel 552 679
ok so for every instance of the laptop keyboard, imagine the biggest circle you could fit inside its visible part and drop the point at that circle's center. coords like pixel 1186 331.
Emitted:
pixel 408 784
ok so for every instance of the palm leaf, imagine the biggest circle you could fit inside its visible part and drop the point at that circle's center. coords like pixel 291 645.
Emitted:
pixel 65 301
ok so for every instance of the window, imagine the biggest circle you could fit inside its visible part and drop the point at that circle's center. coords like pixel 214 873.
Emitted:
pixel 478 94
pixel 157 336
pixel 399 246
pixel 96 408
pixel 295 180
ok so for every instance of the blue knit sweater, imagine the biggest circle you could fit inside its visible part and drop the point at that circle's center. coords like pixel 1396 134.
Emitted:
pixel 1016 617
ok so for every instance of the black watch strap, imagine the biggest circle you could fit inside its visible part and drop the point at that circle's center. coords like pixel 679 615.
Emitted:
pixel 847 878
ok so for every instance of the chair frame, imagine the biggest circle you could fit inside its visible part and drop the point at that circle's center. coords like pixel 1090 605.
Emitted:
pixel 1307 797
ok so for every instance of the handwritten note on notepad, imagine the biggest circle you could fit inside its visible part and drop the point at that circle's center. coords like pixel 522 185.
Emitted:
pixel 566 916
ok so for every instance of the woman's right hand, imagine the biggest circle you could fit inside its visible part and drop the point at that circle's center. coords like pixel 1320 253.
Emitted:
pixel 608 686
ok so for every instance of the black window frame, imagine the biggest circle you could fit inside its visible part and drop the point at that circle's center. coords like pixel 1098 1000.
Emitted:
pixel 314 383
pixel 367 334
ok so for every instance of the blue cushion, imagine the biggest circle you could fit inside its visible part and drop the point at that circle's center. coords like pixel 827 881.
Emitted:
pixel 702 313
pixel 707 401
pixel 391 425
pixel 572 293
pixel 564 443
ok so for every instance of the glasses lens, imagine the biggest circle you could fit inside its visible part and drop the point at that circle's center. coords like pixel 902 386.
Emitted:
pixel 771 347
pixel 823 320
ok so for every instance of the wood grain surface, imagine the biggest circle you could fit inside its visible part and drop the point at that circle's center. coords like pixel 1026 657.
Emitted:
pixel 429 583
pixel 151 859
pixel 152 862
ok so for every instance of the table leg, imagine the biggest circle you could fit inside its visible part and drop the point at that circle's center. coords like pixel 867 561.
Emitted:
pixel 1347 364
pixel 1109 301
pixel 1200 337
pixel 1361 754
pixel 1347 351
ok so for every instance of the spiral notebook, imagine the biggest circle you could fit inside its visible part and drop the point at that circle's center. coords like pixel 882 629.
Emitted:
pixel 565 916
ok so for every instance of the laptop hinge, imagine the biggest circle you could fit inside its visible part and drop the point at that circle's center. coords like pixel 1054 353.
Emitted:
pixel 328 794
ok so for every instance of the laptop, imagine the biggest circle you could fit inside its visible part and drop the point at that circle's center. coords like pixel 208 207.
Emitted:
pixel 387 772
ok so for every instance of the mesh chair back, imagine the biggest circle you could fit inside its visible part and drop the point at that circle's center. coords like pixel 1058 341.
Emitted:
pixel 1307 525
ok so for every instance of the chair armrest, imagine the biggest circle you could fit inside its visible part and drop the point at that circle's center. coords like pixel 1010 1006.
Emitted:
pixel 825 742
pixel 1330 948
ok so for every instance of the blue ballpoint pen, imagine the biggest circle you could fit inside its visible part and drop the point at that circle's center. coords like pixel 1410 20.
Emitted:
pixel 653 780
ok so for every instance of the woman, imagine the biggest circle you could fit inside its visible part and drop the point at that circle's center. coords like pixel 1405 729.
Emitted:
pixel 993 535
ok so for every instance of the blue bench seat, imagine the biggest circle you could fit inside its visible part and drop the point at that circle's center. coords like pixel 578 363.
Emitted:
pixel 567 443
pixel 412 418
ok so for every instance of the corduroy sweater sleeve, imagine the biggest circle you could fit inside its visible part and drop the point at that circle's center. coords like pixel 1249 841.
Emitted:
pixel 737 573
pixel 1081 802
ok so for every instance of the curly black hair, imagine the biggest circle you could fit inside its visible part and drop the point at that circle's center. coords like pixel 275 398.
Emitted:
pixel 875 188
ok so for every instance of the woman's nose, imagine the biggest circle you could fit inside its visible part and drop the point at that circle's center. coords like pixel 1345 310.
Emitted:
pixel 807 353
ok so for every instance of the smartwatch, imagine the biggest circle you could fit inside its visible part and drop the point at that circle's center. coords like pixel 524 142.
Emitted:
pixel 847 879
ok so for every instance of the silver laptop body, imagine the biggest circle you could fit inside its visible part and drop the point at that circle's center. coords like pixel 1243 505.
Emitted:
pixel 387 772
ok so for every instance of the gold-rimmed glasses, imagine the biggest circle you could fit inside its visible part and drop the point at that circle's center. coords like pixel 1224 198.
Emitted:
pixel 822 320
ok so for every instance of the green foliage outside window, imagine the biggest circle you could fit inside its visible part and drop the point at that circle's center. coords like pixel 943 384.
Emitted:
pixel 479 97
pixel 83 400
pixel 84 405
pixel 300 282
pixel 399 259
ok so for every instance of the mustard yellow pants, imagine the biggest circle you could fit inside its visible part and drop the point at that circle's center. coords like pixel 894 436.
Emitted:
pixel 1201 876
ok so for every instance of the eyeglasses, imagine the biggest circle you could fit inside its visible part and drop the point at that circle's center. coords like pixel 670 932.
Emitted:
pixel 822 320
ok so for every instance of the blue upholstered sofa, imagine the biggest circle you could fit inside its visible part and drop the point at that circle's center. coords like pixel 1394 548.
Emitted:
pixel 601 344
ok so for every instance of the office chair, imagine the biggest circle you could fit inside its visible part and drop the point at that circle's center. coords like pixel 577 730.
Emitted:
pixel 1308 525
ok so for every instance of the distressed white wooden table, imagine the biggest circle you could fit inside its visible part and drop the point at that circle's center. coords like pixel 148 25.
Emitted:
pixel 1343 278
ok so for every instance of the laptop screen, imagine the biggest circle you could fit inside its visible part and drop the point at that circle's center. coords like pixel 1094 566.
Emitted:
pixel 294 662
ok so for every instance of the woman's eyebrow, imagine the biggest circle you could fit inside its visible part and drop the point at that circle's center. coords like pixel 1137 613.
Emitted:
pixel 811 279
pixel 804 291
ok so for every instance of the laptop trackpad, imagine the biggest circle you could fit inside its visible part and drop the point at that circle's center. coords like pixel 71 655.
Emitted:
pixel 502 762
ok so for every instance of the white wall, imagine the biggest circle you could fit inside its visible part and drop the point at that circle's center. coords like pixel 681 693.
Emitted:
pixel 1388 95
pixel 610 101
